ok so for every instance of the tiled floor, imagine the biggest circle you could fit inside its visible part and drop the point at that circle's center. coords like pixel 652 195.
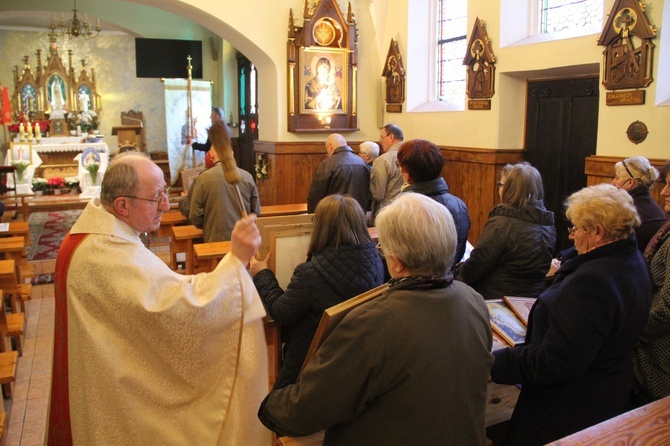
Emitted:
pixel 28 408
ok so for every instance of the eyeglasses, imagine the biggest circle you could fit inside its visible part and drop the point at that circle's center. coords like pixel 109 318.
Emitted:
pixel 380 250
pixel 499 184
pixel 572 230
pixel 160 201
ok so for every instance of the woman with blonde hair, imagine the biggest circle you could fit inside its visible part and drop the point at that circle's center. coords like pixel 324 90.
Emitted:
pixel 576 365
pixel 636 175
pixel 513 253
pixel 342 262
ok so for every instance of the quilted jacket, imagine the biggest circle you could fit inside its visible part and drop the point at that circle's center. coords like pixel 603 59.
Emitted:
pixel 324 280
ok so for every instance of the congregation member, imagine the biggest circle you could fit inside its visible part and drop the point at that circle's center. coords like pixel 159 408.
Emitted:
pixel 420 164
pixel 184 203
pixel 576 366
pixel 342 262
pixel 514 251
pixel 214 203
pixel 385 178
pixel 143 355
pixel 407 367
pixel 342 172
pixel 215 116
pixel 636 175
pixel 651 358
pixel 369 151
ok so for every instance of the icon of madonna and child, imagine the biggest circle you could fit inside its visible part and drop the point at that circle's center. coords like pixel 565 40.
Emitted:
pixel 321 91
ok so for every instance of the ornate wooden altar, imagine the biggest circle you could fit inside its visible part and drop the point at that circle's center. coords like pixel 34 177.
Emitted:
pixel 53 89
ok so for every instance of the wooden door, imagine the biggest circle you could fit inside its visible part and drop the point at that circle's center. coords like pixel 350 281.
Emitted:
pixel 561 131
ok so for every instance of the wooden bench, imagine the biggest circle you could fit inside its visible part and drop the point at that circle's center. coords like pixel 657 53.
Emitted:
pixel 4 423
pixel 647 425
pixel 168 220
pixel 12 328
pixel 209 254
pixel 8 364
pixel 18 228
pixel 18 292
pixel 183 238
pixel 283 209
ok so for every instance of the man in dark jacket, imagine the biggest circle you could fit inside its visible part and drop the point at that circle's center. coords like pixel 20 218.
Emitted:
pixel 343 172
pixel 421 168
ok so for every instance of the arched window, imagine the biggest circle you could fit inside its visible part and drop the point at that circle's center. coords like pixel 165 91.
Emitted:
pixel 567 15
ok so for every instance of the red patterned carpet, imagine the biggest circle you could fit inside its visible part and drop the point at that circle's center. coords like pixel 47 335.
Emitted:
pixel 47 231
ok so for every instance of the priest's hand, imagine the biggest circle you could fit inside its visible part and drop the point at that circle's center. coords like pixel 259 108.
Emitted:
pixel 245 239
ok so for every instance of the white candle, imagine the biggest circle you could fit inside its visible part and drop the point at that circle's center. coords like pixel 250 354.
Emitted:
pixel 38 132
pixel 22 130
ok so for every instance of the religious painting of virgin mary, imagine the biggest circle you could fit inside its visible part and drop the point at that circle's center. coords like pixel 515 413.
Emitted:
pixel 323 81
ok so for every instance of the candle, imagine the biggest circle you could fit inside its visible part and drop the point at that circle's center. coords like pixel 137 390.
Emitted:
pixel 29 130
pixel 38 132
pixel 22 130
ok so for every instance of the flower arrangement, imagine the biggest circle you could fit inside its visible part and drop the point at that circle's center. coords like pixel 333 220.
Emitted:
pixel 261 167
pixel 55 183
pixel 21 167
pixel 93 170
pixel 39 184
pixel 85 120
pixel 72 182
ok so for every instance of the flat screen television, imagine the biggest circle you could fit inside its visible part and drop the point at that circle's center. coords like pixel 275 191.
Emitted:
pixel 167 58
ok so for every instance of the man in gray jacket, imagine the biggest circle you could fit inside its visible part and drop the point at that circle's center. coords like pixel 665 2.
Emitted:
pixel 385 178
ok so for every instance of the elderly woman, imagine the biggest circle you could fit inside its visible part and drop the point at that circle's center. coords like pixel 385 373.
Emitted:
pixel 576 366
pixel 636 175
pixel 342 263
pixel 408 367
pixel 513 253
pixel 651 358
pixel 420 164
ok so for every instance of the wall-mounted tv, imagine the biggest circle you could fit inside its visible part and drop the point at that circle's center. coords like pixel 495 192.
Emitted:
pixel 167 58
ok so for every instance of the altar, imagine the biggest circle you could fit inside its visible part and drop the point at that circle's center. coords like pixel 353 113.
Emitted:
pixel 58 155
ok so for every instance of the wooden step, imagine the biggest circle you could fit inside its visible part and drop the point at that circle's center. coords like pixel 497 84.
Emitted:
pixel 8 365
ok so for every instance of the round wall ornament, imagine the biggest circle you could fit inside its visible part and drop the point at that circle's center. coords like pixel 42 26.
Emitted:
pixel 637 132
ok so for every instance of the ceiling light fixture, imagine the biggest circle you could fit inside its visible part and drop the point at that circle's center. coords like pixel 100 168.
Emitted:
pixel 75 27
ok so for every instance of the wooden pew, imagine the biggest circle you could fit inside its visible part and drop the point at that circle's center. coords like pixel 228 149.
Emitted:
pixel 209 254
pixel 18 292
pixel 168 220
pixel 647 425
pixel 18 228
pixel 283 209
pixel 183 238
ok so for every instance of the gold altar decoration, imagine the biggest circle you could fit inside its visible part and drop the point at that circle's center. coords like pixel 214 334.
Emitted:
pixel 322 69
pixel 54 90
pixel 627 59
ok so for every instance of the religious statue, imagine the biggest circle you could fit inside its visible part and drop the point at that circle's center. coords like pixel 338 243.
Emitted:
pixel 57 102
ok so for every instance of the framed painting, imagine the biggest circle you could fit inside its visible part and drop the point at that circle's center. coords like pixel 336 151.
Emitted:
pixel 21 152
pixel 323 80
pixel 520 306
pixel 289 249
pixel 505 323
pixel 269 225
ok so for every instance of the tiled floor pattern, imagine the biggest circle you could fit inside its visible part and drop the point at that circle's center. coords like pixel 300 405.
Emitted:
pixel 28 408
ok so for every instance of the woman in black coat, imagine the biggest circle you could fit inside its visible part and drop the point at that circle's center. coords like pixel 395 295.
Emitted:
pixel 576 366
pixel 342 262
pixel 635 175
pixel 513 253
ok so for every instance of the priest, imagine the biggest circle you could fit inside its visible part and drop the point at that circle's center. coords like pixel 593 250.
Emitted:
pixel 144 355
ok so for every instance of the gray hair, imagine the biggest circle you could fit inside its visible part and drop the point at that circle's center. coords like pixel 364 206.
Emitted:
pixel 420 232
pixel 121 177
pixel 392 129
pixel 638 168
pixel 369 148
pixel 218 111
pixel 522 185
pixel 603 204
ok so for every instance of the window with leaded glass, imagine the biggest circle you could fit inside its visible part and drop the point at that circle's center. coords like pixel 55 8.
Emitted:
pixel 451 45
pixel 569 15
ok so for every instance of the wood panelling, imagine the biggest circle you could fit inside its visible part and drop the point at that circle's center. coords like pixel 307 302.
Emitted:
pixel 470 173
pixel 600 169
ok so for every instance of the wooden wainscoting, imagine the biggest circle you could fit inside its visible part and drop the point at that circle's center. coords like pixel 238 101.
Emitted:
pixel 600 169
pixel 472 175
